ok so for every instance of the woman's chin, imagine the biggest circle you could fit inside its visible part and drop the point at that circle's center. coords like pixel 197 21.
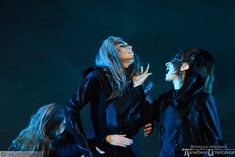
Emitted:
pixel 168 79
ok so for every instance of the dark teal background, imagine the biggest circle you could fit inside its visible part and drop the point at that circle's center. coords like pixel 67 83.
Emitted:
pixel 46 44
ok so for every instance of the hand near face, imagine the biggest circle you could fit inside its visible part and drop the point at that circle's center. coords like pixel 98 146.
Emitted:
pixel 139 79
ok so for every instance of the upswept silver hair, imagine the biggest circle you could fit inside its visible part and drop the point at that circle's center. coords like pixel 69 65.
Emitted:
pixel 108 57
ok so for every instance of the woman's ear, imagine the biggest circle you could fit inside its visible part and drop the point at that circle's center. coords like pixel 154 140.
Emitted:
pixel 184 66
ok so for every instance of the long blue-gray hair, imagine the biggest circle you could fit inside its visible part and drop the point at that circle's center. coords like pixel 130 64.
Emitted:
pixel 108 57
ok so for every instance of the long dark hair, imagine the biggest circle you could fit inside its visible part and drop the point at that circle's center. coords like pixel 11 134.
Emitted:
pixel 201 69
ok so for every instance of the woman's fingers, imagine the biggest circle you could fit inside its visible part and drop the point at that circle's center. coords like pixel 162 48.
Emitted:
pixel 99 150
pixel 125 141
pixel 121 135
pixel 139 79
pixel 120 140
pixel 148 129
pixel 121 145
pixel 141 70
pixel 148 125
pixel 146 76
pixel 147 69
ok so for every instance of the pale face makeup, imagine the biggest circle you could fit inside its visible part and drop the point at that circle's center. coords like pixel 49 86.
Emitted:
pixel 126 53
pixel 171 74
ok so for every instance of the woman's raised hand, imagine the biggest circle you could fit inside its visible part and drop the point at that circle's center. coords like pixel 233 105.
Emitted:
pixel 139 79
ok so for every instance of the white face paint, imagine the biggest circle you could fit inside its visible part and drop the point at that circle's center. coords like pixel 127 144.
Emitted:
pixel 125 52
pixel 171 74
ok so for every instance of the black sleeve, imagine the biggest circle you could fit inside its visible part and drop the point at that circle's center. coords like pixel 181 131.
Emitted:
pixel 146 110
pixel 159 103
pixel 87 91
pixel 139 93
pixel 70 150
pixel 65 147
pixel 210 121
pixel 123 102
pixel 121 111
pixel 156 109
pixel 89 87
pixel 133 105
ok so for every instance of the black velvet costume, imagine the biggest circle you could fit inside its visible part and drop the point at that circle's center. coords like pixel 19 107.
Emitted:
pixel 186 120
pixel 124 114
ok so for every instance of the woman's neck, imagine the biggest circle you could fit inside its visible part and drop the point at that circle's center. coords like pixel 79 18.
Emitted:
pixel 177 84
pixel 126 65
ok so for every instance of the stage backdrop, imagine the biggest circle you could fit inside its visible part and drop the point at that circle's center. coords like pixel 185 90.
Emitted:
pixel 45 46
